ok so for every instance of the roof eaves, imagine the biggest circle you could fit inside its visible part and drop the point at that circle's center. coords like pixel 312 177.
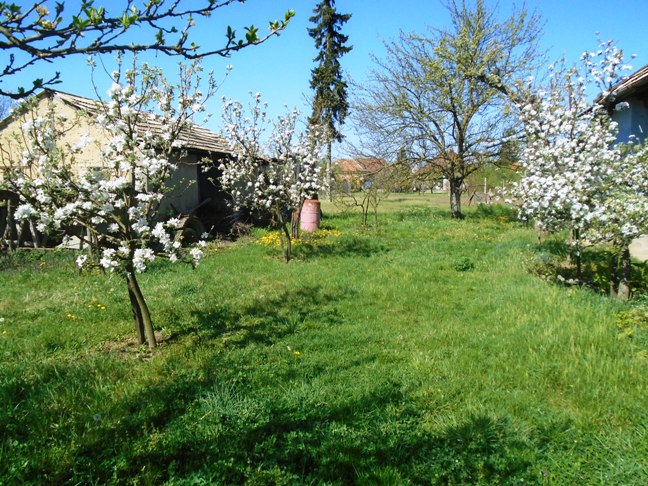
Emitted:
pixel 628 86
pixel 195 137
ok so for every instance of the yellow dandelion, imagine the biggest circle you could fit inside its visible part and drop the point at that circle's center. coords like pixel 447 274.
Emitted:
pixel 297 353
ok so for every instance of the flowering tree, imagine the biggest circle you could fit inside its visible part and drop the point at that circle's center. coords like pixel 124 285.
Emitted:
pixel 276 178
pixel 575 175
pixel 143 122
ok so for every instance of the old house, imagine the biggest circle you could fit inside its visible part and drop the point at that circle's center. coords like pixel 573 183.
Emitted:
pixel 630 109
pixel 195 193
pixel 352 174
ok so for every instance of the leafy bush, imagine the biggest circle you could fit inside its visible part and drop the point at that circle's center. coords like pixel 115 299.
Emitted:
pixel 463 264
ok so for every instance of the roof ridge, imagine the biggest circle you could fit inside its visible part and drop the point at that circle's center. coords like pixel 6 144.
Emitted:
pixel 209 140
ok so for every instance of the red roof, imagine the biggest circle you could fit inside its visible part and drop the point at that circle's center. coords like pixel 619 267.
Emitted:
pixel 362 165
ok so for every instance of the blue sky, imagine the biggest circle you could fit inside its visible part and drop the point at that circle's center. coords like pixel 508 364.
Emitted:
pixel 280 68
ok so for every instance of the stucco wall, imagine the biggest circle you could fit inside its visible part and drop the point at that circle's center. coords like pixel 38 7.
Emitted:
pixel 11 146
pixel 184 195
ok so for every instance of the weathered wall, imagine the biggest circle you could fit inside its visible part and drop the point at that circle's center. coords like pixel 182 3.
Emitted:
pixel 11 139
pixel 184 195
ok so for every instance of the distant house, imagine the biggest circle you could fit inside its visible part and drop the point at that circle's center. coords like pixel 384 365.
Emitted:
pixel 195 186
pixel 352 174
pixel 630 106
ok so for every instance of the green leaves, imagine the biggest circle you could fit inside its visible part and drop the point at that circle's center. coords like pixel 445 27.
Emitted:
pixel 251 34
pixel 159 37
pixel 94 17
pixel 10 10
pixel 130 17
pixel 277 25
pixel 80 24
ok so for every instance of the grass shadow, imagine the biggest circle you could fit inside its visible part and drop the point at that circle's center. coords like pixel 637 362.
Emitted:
pixel 345 247
pixel 316 442
pixel 553 263
pixel 193 427
pixel 38 260
pixel 267 320
pixel 500 213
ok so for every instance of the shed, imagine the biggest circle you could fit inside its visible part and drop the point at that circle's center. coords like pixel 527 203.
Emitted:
pixel 195 185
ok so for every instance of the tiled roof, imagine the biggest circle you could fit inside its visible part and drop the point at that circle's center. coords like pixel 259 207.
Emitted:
pixel 364 165
pixel 195 137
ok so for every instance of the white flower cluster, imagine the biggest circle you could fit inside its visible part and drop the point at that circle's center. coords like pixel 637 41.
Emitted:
pixel 575 176
pixel 119 201
pixel 278 178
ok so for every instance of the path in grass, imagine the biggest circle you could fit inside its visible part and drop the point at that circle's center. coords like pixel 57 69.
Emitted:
pixel 420 353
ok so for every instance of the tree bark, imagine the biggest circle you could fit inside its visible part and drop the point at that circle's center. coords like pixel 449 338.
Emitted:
pixel 575 256
pixel 284 236
pixel 137 315
pixel 614 275
pixel 625 274
pixel 286 243
pixel 294 221
pixel 455 198
pixel 329 172
pixel 146 324
pixel 10 227
pixel 34 233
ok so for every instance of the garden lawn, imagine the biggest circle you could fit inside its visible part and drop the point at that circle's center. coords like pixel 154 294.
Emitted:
pixel 422 352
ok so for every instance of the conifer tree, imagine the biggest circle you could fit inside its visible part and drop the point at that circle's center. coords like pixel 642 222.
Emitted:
pixel 330 106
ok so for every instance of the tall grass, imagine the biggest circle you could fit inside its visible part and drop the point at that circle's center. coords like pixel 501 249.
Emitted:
pixel 421 352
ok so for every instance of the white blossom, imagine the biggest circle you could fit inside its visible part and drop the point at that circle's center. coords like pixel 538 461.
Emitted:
pixel 23 212
pixel 81 260
pixel 120 199
pixel 575 175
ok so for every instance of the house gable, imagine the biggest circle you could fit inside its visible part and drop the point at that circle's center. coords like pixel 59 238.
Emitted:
pixel 632 119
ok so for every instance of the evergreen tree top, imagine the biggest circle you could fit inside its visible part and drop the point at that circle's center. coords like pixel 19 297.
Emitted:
pixel 330 104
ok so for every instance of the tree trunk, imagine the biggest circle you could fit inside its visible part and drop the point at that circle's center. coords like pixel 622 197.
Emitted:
pixel 10 227
pixel 137 315
pixel 34 233
pixel 455 198
pixel 625 274
pixel 329 173
pixel 286 243
pixel 365 209
pixel 614 275
pixel 575 256
pixel 284 236
pixel 294 221
pixel 140 309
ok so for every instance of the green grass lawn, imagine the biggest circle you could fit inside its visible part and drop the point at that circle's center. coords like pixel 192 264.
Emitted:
pixel 423 352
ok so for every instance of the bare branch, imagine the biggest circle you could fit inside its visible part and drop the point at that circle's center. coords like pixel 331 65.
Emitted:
pixel 32 35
